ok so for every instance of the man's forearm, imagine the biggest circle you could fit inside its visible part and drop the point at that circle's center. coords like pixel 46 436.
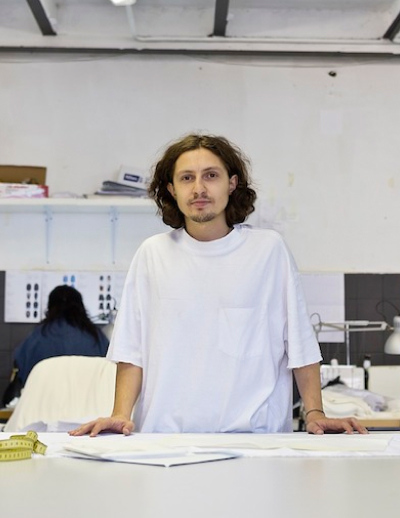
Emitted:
pixel 127 389
pixel 308 382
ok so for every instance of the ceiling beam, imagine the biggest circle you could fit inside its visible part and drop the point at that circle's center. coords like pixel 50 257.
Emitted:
pixel 41 13
pixel 221 17
pixel 393 30
pixel 386 51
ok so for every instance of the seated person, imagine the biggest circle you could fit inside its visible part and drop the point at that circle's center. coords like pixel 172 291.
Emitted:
pixel 66 331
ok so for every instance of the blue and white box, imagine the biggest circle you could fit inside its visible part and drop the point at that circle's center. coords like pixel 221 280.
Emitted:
pixel 133 177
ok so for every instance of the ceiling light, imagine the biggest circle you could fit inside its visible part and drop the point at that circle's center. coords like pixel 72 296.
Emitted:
pixel 123 2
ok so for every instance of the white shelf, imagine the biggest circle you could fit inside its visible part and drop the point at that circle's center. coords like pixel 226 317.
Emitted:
pixel 98 204
pixel 52 208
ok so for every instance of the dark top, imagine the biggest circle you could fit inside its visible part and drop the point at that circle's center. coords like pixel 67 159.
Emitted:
pixel 58 339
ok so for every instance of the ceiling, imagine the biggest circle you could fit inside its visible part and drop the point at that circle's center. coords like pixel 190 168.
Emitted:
pixel 337 26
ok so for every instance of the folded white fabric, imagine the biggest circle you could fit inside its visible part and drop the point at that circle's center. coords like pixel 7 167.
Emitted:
pixel 338 404
pixel 376 402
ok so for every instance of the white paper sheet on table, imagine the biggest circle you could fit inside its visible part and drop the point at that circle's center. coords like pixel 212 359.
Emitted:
pixel 174 449
pixel 195 448
pixel 156 457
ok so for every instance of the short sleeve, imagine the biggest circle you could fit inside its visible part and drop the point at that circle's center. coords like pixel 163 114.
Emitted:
pixel 301 342
pixel 126 340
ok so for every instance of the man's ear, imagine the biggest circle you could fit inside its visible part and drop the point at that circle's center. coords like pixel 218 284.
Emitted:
pixel 233 181
pixel 171 189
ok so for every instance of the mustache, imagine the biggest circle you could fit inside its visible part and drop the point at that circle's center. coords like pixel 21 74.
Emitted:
pixel 199 197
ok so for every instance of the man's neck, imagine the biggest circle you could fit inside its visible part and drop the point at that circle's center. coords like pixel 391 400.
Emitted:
pixel 209 231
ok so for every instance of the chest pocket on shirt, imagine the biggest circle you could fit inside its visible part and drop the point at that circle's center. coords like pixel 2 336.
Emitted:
pixel 239 333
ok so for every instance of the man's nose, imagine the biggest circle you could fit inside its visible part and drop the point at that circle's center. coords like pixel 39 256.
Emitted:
pixel 199 186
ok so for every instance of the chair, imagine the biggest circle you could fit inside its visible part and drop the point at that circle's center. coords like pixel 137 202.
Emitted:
pixel 70 389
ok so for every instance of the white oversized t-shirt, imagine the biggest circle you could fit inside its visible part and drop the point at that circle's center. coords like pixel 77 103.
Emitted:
pixel 217 327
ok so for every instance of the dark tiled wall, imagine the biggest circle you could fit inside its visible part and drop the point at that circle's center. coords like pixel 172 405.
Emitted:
pixel 10 336
pixel 366 297
pixel 362 294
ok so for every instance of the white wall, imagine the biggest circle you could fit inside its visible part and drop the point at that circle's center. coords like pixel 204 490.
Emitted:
pixel 325 150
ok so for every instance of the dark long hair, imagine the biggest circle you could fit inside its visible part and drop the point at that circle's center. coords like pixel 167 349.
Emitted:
pixel 241 201
pixel 65 303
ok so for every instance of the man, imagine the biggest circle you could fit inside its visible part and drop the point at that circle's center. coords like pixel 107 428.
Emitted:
pixel 212 320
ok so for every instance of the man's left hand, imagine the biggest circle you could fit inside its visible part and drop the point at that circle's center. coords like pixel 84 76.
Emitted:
pixel 321 425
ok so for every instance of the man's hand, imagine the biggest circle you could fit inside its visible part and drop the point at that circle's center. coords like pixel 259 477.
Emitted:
pixel 321 424
pixel 116 424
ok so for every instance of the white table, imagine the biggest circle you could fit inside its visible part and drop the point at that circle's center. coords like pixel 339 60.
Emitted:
pixel 246 487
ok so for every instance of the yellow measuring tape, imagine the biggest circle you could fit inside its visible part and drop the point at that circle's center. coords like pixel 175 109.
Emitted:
pixel 19 447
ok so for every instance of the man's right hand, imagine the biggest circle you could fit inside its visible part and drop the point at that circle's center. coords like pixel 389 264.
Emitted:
pixel 116 424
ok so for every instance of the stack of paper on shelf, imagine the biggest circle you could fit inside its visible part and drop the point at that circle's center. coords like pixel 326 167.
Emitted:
pixel 110 188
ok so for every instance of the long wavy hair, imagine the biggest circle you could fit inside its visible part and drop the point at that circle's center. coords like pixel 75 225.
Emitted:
pixel 66 303
pixel 242 199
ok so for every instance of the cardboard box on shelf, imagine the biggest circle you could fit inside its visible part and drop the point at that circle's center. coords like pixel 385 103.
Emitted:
pixel 23 190
pixel 23 174
pixel 18 181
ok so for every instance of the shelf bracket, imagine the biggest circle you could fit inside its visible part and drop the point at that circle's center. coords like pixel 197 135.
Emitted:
pixel 113 221
pixel 49 220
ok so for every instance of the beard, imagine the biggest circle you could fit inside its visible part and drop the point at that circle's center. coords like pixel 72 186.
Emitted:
pixel 202 218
